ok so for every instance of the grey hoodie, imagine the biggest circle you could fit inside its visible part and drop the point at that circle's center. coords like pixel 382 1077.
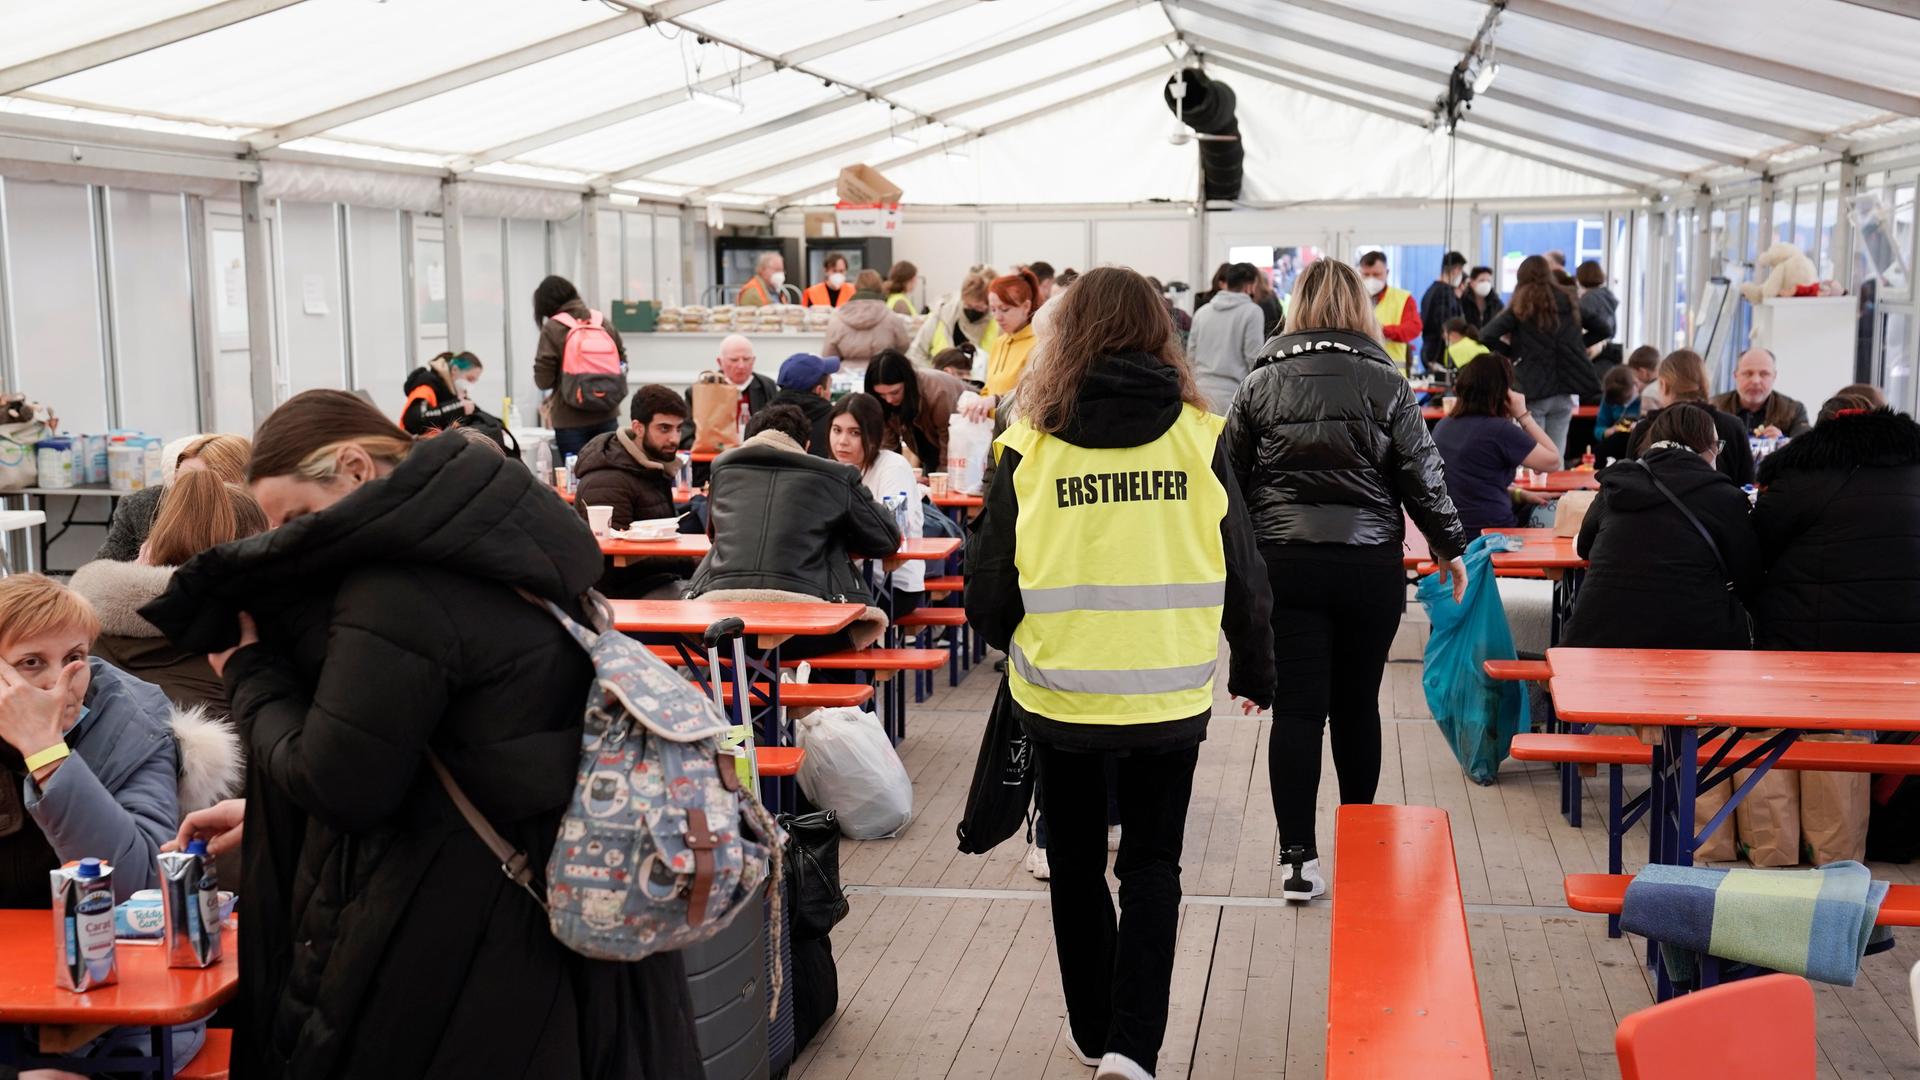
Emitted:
pixel 1226 335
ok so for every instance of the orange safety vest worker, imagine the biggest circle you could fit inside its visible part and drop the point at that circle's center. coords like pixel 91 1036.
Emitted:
pixel 754 293
pixel 816 295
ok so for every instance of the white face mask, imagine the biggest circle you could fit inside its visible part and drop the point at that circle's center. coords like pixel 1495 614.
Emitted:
pixel 777 278
pixel 1482 288
pixel 836 279
pixel 1375 286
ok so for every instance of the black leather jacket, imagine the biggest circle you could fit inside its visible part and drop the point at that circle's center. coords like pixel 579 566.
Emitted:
pixel 1328 445
pixel 786 520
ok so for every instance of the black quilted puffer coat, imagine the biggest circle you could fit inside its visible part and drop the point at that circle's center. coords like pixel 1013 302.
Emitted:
pixel 378 938
pixel 1329 448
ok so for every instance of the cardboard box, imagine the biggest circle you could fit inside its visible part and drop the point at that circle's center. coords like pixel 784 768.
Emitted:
pixel 863 185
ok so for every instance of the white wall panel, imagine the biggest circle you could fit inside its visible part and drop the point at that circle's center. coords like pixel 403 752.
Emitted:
pixel 153 313
pixel 312 327
pixel 943 250
pixel 1162 249
pixel 485 332
pixel 636 258
pixel 378 275
pixel 1062 243
pixel 609 256
pixel 667 251
pixel 54 294
pixel 526 265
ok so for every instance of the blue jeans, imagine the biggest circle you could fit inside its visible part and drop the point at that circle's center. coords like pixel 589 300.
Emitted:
pixel 1554 415
pixel 569 440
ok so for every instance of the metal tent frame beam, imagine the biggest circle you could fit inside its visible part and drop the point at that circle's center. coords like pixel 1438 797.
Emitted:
pixel 882 92
pixel 1421 105
pixel 133 42
pixel 1816 82
pixel 1458 45
pixel 1517 100
pixel 1378 110
pixel 941 115
pixel 1158 72
pixel 387 101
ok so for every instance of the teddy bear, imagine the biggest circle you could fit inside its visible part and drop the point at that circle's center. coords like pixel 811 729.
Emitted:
pixel 1789 273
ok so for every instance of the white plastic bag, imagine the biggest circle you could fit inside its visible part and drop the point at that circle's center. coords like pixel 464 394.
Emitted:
pixel 851 769
pixel 968 444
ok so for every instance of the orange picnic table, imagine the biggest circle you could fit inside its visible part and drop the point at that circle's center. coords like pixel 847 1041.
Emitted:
pixel 1543 551
pixel 695 546
pixel 762 619
pixel 1561 481
pixel 149 994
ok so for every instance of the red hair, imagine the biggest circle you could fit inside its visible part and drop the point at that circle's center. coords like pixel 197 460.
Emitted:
pixel 1019 287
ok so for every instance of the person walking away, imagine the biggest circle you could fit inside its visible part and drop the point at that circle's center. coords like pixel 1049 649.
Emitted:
pixel 378 627
pixel 1440 305
pixel 899 288
pixel 1654 579
pixel 1838 517
pixel 1479 302
pixel 1547 337
pixel 556 305
pixel 835 290
pixel 1488 435
pixel 440 393
pixel 1393 308
pixel 1762 410
pixel 957 320
pixel 806 383
pixel 857 425
pixel 1011 300
pixel 1274 318
pixel 865 326
pixel 918 403
pixel 1330 448
pixel 1226 336
pixel 1113 551
pixel 766 285
pixel 1683 377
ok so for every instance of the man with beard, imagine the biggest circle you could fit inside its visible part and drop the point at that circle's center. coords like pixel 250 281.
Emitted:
pixel 632 469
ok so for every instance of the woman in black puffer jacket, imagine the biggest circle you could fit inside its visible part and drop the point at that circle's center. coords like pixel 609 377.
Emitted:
pixel 1332 454
pixel 1839 524
pixel 1547 335
pixel 378 936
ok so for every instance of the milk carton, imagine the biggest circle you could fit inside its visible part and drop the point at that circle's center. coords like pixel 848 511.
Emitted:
pixel 83 956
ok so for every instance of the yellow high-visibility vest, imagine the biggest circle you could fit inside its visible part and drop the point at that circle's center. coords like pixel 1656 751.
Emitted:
pixel 1392 305
pixel 943 340
pixel 1123 575
pixel 1462 352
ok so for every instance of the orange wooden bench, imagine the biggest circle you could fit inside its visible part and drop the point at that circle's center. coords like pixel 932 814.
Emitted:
pixel 811 695
pixel 882 662
pixel 1402 1000
pixel 1517 670
pixel 212 1060
pixel 1603 894
pixel 779 760
pixel 914 625
pixel 941 586
pixel 1774 1015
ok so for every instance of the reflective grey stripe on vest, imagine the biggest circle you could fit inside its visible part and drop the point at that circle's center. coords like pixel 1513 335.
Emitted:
pixel 1170 680
pixel 1123 598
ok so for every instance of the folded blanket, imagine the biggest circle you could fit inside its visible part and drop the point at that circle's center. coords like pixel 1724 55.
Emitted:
pixel 1815 923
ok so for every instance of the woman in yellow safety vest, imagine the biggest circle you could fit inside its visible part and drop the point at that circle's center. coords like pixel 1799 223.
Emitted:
pixel 1113 550
pixel 957 319
pixel 900 282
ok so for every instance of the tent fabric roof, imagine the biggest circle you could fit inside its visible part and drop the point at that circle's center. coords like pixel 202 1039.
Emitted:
pixel 960 101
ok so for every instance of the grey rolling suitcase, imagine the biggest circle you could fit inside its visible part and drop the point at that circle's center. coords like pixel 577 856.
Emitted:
pixel 727 978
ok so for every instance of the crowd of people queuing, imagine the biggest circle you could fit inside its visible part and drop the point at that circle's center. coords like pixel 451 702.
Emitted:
pixel 324 603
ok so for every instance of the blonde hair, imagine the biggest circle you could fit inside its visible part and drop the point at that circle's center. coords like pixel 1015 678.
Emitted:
pixel 1329 296
pixel 32 605
pixel 304 436
pixel 974 286
pixel 226 456
pixel 1685 374
pixel 198 512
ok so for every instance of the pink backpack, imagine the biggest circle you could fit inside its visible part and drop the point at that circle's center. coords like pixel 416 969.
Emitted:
pixel 593 378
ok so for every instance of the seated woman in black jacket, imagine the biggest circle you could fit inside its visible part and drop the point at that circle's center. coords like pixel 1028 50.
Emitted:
pixel 1654 579
pixel 439 393
pixel 1839 524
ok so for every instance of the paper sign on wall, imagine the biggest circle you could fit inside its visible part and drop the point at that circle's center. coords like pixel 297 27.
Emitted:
pixel 436 282
pixel 313 295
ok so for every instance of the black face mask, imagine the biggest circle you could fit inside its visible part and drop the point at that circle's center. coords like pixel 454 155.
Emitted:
pixel 973 314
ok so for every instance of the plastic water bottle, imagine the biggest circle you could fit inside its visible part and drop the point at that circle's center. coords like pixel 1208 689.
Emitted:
pixel 900 505
pixel 573 478
pixel 683 479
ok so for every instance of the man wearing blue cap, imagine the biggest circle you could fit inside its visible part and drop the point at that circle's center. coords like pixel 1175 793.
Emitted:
pixel 806 383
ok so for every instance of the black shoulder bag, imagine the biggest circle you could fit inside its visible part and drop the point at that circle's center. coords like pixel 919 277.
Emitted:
pixel 1733 596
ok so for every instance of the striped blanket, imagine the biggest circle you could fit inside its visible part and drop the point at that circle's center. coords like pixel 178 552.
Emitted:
pixel 1815 923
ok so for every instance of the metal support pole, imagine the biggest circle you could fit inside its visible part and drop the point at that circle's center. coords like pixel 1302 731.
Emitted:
pixel 1697 268
pixel 261 361
pixel 1843 267
pixel 200 293
pixel 453 234
pixel 109 328
pixel 589 283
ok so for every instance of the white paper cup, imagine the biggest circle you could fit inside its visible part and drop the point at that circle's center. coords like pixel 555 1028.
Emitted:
pixel 560 477
pixel 937 483
pixel 600 520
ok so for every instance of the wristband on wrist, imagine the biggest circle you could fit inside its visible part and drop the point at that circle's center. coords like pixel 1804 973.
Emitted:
pixel 57 752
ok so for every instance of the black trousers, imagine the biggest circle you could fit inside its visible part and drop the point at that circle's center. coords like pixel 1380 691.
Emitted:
pixel 1333 624
pixel 1117 974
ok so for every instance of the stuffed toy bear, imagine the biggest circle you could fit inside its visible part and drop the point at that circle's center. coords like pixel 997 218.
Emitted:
pixel 1789 273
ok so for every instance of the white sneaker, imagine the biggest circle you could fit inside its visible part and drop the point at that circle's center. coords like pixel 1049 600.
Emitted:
pixel 1120 1067
pixel 1037 863
pixel 1304 882
pixel 1113 838
pixel 1080 1055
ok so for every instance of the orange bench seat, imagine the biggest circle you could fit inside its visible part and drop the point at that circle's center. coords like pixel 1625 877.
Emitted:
pixel 779 760
pixel 1603 894
pixel 1517 670
pixel 850 660
pixel 952 583
pixel 1802 756
pixel 212 1060
pixel 811 695
pixel 934 616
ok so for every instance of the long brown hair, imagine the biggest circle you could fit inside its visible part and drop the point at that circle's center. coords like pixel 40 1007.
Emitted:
pixel 1685 374
pixel 901 276
pixel 1330 296
pixel 1536 299
pixel 304 435
pixel 201 511
pixel 1109 310
pixel 872 420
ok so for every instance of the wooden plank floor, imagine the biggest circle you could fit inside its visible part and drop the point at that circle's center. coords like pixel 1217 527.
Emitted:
pixel 947 969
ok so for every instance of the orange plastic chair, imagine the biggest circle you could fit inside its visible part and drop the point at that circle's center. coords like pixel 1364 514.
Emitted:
pixel 1691 1037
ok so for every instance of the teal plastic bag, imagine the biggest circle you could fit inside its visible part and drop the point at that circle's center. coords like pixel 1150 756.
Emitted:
pixel 1478 715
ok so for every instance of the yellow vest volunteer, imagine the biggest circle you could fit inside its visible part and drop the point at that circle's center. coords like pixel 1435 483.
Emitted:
pixel 1114 631
pixel 1462 352
pixel 1390 310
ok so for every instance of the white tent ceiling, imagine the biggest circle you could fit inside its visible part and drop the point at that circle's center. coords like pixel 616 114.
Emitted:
pixel 961 101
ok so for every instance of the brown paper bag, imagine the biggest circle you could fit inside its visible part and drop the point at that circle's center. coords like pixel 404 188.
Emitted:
pixel 1833 810
pixel 716 413
pixel 1718 847
pixel 1768 819
pixel 1571 512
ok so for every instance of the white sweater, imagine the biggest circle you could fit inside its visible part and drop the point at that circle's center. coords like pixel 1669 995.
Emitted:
pixel 890 477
